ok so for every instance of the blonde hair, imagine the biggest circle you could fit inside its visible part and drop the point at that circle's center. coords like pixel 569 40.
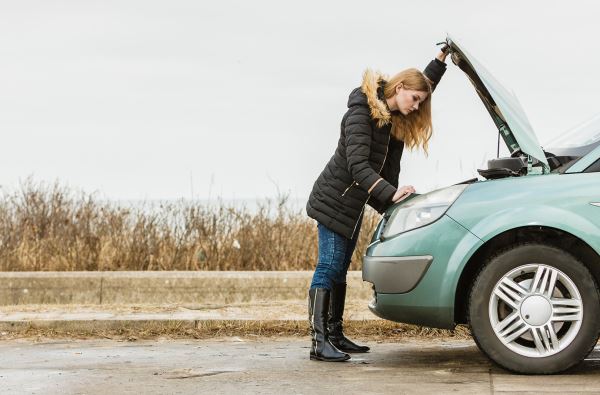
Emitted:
pixel 414 129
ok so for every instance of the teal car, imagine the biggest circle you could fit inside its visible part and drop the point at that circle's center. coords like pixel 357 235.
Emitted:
pixel 515 254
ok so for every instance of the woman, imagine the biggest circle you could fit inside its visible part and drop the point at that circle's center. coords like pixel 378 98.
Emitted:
pixel 383 116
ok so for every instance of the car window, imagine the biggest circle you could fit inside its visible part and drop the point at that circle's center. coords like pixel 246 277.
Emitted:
pixel 594 167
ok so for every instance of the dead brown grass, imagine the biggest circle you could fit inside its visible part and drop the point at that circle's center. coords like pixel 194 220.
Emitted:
pixel 53 228
pixel 369 329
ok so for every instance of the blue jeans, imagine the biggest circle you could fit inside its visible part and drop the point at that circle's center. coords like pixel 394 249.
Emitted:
pixel 335 253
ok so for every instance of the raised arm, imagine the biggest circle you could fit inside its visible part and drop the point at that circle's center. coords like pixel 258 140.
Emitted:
pixel 436 68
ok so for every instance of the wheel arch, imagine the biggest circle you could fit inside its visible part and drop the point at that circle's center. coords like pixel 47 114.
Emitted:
pixel 539 234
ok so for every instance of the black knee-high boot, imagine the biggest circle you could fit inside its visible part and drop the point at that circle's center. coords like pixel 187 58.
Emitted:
pixel 335 325
pixel 318 310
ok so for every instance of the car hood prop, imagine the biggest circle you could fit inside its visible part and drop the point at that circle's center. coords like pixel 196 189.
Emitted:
pixel 504 108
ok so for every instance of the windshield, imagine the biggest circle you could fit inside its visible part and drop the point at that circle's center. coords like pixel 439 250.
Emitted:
pixel 585 134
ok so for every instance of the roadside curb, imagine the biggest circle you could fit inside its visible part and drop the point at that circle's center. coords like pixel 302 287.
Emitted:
pixel 25 288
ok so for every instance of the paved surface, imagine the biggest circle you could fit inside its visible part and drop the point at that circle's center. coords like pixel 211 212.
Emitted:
pixel 269 366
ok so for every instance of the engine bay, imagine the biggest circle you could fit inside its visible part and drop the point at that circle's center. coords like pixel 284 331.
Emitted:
pixel 521 165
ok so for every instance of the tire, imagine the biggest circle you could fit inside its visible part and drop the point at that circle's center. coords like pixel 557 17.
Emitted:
pixel 543 330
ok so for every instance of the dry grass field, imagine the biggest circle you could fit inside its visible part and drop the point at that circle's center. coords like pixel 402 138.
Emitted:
pixel 53 228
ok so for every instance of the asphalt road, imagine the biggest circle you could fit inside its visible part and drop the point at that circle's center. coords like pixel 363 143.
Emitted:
pixel 268 366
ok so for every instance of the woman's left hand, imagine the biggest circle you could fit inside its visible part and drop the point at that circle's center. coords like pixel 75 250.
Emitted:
pixel 441 56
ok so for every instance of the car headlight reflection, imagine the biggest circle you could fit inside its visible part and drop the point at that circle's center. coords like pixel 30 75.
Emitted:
pixel 422 210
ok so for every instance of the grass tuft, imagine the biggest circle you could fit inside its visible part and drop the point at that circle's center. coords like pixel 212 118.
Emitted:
pixel 369 329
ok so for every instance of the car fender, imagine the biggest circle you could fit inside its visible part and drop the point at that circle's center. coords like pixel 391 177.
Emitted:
pixel 568 221
pixel 461 255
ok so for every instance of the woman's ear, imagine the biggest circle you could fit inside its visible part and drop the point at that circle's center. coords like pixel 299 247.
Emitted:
pixel 398 87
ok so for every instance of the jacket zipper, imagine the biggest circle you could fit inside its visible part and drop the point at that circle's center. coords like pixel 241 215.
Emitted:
pixel 349 186
pixel 363 207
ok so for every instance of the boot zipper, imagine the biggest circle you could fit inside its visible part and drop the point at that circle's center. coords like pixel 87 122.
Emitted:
pixel 363 207
pixel 313 321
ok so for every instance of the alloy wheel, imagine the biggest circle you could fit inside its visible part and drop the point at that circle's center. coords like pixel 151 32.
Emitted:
pixel 535 310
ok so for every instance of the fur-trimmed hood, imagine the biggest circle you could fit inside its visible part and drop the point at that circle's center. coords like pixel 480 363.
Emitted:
pixel 371 94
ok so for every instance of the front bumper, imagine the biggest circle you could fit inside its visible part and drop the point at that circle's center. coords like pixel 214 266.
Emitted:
pixel 415 274
pixel 395 274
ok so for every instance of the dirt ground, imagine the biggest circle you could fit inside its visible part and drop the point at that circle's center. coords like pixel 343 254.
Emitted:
pixel 281 318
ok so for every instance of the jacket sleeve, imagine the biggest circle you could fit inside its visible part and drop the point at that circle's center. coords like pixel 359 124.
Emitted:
pixel 390 172
pixel 358 132
pixel 434 71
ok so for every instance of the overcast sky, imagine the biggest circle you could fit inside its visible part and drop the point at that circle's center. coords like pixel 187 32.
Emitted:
pixel 234 99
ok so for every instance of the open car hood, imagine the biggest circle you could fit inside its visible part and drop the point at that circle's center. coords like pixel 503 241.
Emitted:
pixel 503 106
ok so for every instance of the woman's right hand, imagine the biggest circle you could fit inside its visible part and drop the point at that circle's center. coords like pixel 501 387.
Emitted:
pixel 402 193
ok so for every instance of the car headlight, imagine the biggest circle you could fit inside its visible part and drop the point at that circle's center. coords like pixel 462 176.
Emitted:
pixel 422 210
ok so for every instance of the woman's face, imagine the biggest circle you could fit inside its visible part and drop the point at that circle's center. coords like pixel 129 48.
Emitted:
pixel 408 100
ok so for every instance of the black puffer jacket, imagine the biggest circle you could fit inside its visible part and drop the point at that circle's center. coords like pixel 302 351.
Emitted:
pixel 365 152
